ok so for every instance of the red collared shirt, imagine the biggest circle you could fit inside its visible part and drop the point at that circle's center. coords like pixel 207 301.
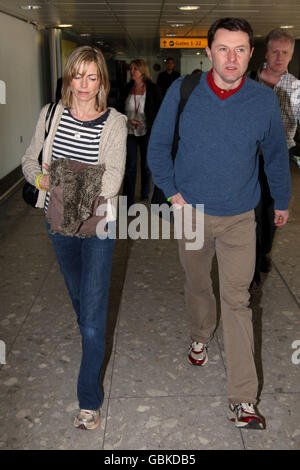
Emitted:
pixel 223 94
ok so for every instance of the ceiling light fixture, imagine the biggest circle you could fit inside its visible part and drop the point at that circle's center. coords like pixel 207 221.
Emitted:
pixel 287 26
pixel 188 8
pixel 65 26
pixel 174 24
pixel 181 22
pixel 30 7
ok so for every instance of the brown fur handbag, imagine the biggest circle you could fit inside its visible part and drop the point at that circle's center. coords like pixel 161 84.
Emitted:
pixel 74 198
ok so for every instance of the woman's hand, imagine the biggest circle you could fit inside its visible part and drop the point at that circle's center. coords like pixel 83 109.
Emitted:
pixel 44 180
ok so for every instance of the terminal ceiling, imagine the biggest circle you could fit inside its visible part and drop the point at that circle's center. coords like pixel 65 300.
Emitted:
pixel 134 27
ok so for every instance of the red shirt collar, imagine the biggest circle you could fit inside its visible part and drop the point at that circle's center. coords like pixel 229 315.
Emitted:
pixel 223 94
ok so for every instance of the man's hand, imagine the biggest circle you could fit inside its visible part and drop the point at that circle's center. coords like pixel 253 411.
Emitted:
pixel 281 217
pixel 177 200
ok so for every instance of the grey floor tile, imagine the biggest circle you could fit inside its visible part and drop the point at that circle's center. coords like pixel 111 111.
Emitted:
pixel 170 423
pixel 276 325
pixel 281 412
pixel 153 398
pixel 46 423
pixel 285 252
pixel 150 365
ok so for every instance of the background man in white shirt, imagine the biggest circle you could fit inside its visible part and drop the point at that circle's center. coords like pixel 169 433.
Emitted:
pixel 279 52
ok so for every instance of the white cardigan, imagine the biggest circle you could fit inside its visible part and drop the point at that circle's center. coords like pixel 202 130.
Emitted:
pixel 112 153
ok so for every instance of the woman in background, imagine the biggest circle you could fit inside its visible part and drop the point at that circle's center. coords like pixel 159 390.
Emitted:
pixel 141 102
pixel 83 167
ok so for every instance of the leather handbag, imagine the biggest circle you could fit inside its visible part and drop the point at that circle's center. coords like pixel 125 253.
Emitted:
pixel 30 192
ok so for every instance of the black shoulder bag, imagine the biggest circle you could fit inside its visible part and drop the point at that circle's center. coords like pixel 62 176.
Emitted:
pixel 189 82
pixel 30 192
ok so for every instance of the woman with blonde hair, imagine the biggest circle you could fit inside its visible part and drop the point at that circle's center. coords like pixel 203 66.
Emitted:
pixel 83 162
pixel 141 101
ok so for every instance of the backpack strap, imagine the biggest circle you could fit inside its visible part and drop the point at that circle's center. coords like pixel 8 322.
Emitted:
pixel 253 75
pixel 187 86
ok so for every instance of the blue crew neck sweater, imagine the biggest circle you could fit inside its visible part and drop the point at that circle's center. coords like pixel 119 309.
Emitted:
pixel 217 158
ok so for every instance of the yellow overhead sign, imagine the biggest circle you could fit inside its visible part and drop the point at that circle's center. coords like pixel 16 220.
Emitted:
pixel 182 43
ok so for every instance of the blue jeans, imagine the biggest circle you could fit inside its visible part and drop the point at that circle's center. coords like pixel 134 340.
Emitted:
pixel 133 143
pixel 86 266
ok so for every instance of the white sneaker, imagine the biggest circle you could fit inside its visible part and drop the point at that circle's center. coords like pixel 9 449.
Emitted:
pixel 197 355
pixel 244 416
pixel 87 419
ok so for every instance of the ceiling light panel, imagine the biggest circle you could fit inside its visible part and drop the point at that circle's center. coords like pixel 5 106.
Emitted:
pixel 80 2
pixel 136 7
pixel 30 7
pixel 117 3
pixel 237 12
pixel 189 8
pixel 249 3
pixel 82 8
pixel 137 13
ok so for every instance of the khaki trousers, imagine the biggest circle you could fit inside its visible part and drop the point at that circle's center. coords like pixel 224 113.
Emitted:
pixel 233 239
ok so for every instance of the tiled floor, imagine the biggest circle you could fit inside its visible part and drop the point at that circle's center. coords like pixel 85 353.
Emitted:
pixel 153 398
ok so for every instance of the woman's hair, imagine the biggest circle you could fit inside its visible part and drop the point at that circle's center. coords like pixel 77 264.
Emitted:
pixel 85 55
pixel 231 24
pixel 143 68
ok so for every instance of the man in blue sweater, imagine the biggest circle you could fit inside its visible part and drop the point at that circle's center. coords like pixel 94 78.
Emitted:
pixel 224 121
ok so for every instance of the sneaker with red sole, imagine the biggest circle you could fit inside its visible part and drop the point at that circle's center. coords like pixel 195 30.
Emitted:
pixel 244 416
pixel 197 355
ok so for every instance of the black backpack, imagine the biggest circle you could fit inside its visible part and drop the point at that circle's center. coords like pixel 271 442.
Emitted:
pixel 188 84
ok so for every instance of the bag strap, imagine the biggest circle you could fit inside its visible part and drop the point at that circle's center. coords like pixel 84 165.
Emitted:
pixel 49 116
pixel 50 113
pixel 187 86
